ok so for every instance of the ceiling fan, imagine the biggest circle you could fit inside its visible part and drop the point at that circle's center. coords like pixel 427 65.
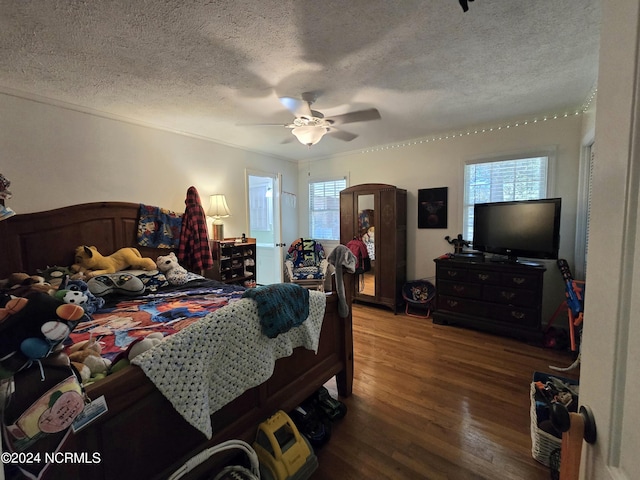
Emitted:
pixel 309 126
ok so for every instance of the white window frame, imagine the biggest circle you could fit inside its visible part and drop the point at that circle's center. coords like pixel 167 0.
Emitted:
pixel 547 192
pixel 312 183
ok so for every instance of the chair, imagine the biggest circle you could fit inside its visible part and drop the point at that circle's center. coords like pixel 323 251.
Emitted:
pixel 418 294
pixel 306 264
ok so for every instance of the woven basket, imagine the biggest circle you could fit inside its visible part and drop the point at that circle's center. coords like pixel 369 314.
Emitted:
pixel 542 443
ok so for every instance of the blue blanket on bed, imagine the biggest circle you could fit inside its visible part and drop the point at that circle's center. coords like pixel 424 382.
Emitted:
pixel 281 306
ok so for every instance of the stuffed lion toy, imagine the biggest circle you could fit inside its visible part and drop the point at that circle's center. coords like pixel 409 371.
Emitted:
pixel 92 263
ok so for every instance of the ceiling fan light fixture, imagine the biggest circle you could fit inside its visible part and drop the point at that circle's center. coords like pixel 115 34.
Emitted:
pixel 309 135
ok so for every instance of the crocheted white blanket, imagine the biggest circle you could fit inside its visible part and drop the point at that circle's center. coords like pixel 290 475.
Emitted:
pixel 205 366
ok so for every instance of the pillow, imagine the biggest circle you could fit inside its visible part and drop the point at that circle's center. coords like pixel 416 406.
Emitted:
pixel 152 280
pixel 123 283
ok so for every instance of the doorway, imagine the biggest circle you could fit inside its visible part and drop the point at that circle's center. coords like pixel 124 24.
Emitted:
pixel 263 200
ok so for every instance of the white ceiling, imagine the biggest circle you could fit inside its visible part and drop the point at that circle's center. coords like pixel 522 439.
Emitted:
pixel 204 67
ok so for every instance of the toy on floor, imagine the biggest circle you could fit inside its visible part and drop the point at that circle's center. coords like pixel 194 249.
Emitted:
pixel 283 452
pixel 92 263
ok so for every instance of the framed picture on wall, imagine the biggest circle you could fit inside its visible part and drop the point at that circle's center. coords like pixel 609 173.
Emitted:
pixel 432 207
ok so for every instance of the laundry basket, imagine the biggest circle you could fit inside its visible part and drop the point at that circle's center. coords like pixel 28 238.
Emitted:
pixel 235 471
pixel 418 296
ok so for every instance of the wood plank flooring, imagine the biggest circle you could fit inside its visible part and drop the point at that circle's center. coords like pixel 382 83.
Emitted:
pixel 435 402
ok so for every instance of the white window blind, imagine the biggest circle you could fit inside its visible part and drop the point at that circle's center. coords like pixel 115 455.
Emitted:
pixel 324 209
pixel 502 181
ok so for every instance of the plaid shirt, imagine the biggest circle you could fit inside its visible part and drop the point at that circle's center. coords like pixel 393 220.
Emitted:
pixel 194 252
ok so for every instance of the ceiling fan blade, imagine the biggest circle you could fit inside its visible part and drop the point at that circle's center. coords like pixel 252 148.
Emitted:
pixel 342 135
pixel 286 125
pixel 299 108
pixel 358 116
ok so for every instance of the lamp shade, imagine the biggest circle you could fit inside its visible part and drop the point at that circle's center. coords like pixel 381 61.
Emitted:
pixel 309 135
pixel 218 207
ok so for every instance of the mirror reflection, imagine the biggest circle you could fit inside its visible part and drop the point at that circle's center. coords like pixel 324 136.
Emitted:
pixel 366 233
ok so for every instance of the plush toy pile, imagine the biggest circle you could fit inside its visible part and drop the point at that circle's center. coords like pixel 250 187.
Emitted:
pixel 42 371
pixel 45 394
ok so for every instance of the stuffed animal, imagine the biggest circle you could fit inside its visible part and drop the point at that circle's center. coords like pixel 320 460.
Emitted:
pixel 55 275
pixel 19 284
pixel 91 262
pixel 86 357
pixel 78 293
pixel 144 344
pixel 135 348
pixel 175 273
pixel 32 328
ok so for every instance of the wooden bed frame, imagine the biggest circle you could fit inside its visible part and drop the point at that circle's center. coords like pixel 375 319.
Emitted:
pixel 142 436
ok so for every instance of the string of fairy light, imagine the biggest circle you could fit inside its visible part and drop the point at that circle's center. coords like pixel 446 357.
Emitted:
pixel 477 131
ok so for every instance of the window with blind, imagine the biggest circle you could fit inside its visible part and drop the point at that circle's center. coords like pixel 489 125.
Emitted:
pixel 324 209
pixel 502 181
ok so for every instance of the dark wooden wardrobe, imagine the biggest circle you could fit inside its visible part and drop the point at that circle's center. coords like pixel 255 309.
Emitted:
pixel 383 207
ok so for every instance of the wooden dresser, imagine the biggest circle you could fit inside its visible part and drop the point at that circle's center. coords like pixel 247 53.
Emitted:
pixel 502 298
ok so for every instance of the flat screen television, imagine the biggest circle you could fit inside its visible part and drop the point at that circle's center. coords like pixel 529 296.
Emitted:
pixel 527 228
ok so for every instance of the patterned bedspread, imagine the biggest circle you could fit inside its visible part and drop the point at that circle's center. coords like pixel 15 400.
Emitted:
pixel 168 310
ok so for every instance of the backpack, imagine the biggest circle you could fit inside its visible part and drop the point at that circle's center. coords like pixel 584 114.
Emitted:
pixel 359 250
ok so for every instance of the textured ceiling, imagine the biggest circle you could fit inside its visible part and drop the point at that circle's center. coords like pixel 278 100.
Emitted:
pixel 206 67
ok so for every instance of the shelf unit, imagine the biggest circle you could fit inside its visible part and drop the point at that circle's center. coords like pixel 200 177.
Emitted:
pixel 233 261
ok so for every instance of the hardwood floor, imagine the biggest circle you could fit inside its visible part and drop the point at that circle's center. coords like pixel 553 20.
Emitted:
pixel 435 402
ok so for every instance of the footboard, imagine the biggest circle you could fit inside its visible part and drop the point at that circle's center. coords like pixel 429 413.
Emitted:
pixel 142 436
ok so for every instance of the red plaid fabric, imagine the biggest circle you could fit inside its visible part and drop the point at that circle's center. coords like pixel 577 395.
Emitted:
pixel 193 252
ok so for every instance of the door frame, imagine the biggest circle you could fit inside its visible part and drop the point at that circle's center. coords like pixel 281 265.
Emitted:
pixel 276 183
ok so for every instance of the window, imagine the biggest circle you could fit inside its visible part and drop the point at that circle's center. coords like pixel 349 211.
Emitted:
pixel 324 209
pixel 502 181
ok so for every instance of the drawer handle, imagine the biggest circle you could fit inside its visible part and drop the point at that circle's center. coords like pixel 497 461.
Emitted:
pixel 483 276
pixel 517 315
pixel 519 280
pixel 458 288
pixel 452 303
pixel 507 295
pixel 451 274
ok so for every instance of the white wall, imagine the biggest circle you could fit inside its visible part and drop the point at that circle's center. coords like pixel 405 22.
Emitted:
pixel 440 163
pixel 56 156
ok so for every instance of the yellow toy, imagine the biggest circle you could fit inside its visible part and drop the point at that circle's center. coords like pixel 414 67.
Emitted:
pixel 283 452
pixel 91 263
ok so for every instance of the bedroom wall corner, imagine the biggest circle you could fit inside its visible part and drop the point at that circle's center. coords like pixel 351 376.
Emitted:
pixel 57 156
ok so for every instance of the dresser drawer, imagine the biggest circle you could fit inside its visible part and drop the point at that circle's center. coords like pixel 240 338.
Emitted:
pixel 456 289
pixel 462 305
pixel 448 273
pixel 485 277
pixel 520 280
pixel 510 296
pixel 515 315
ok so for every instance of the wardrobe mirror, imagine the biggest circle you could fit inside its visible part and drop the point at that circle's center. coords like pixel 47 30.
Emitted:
pixel 366 232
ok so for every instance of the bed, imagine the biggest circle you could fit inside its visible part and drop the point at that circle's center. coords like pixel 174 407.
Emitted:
pixel 142 435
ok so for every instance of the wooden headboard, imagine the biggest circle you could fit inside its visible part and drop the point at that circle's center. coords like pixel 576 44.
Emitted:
pixel 33 241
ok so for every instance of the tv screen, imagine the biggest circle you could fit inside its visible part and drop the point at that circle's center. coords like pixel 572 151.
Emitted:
pixel 527 228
